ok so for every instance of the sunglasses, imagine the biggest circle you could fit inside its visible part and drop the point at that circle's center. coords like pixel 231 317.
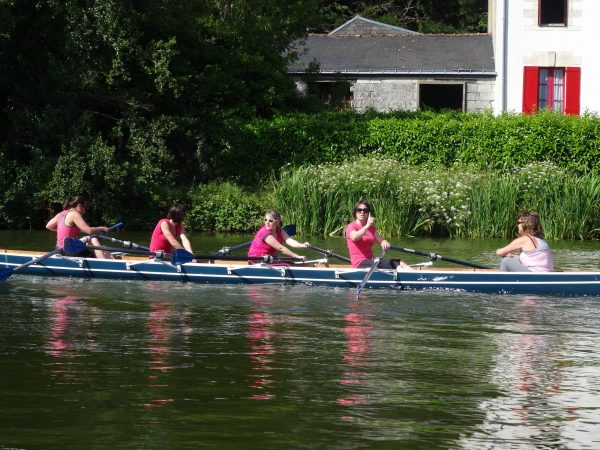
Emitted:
pixel 270 220
pixel 362 210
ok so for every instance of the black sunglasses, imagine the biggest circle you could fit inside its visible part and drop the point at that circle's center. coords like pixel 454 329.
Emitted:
pixel 362 210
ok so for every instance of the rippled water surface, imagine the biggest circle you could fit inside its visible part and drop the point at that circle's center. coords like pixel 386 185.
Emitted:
pixel 111 364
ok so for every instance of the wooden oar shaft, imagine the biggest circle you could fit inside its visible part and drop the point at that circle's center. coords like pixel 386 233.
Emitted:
pixel 373 268
pixel 126 244
pixel 330 253
pixel 289 229
pixel 436 257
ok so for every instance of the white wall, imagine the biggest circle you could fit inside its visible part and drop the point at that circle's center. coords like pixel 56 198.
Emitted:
pixel 527 44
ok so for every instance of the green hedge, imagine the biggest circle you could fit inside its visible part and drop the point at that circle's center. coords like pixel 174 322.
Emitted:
pixel 257 149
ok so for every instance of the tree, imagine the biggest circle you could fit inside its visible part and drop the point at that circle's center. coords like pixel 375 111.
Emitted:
pixel 121 99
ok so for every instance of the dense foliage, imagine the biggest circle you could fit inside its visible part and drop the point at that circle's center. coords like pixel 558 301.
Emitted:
pixel 427 16
pixel 118 100
pixel 475 140
pixel 141 104
pixel 439 201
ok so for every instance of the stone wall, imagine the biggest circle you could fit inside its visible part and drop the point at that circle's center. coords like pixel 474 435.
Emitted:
pixel 393 95
pixel 385 95
pixel 480 95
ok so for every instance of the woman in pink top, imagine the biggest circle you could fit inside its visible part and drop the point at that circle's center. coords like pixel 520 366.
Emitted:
pixel 70 222
pixel 270 238
pixel 361 235
pixel 533 252
pixel 167 231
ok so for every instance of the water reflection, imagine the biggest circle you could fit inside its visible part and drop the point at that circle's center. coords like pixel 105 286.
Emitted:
pixel 358 329
pixel 261 349
pixel 169 334
pixel 539 401
pixel 71 333
pixel 159 348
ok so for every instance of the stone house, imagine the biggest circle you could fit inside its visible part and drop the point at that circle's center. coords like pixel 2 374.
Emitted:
pixel 389 68
pixel 537 54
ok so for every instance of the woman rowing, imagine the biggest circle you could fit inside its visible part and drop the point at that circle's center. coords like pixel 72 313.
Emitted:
pixel 70 222
pixel 534 254
pixel 271 238
pixel 361 234
pixel 168 230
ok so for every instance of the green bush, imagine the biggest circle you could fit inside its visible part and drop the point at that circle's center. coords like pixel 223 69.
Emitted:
pixel 223 207
pixel 258 149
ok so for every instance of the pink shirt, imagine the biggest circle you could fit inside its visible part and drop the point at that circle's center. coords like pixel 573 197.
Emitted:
pixel 159 241
pixel 259 247
pixel 361 249
pixel 63 230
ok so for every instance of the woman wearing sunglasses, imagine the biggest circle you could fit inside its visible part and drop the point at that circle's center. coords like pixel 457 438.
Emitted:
pixel 270 239
pixel 529 252
pixel 361 234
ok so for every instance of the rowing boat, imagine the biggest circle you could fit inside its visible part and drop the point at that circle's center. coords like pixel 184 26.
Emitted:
pixel 322 273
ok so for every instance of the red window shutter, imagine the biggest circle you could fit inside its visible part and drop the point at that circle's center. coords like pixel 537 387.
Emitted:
pixel 572 90
pixel 530 89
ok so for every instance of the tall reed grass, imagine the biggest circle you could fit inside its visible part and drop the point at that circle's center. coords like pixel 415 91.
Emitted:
pixel 437 201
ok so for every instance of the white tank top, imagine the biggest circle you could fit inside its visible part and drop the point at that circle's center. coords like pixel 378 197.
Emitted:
pixel 540 259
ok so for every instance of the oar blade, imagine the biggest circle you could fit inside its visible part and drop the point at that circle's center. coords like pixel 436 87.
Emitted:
pixel 373 268
pixel 290 229
pixel 180 256
pixel 73 246
pixel 5 274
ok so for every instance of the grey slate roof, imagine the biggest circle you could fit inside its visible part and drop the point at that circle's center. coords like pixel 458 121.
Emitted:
pixel 361 26
pixel 397 54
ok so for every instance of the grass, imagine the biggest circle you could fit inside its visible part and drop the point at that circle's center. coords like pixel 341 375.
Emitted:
pixel 437 201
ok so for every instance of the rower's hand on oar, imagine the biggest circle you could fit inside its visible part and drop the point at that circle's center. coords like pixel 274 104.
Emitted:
pixel 305 245
pixel 385 245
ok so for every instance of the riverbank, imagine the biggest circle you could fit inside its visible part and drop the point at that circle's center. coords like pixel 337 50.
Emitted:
pixel 423 201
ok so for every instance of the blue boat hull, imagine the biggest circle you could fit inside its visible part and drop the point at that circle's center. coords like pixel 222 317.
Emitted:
pixel 551 283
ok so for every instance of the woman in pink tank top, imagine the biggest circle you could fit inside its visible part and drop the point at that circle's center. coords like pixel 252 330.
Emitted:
pixel 70 222
pixel 361 235
pixel 529 252
pixel 270 239
pixel 167 232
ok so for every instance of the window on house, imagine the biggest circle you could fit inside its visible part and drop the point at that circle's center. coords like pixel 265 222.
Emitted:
pixel 334 95
pixel 554 88
pixel 552 12
pixel 551 89
pixel 441 96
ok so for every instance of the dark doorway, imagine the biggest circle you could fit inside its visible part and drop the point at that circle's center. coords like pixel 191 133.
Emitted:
pixel 441 96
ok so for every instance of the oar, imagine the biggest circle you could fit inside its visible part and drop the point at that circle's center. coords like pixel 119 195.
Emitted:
pixel 74 246
pixel 7 272
pixel 126 244
pixel 436 257
pixel 180 256
pixel 373 268
pixel 289 229
pixel 330 254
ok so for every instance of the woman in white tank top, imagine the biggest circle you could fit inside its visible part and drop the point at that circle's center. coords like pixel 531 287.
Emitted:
pixel 529 252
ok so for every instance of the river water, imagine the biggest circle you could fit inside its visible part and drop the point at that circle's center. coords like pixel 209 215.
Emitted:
pixel 100 364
